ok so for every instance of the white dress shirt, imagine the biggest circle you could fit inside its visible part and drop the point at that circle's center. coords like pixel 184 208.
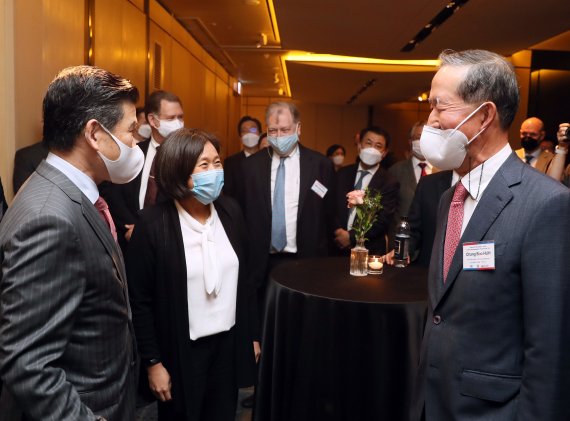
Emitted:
pixel 150 154
pixel 534 158
pixel 76 176
pixel 418 169
pixel 211 264
pixel 471 181
pixel 365 183
pixel 292 187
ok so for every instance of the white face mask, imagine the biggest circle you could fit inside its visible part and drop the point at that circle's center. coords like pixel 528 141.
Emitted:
pixel 144 130
pixel 338 159
pixel 250 140
pixel 417 150
pixel 446 149
pixel 127 166
pixel 168 126
pixel 370 156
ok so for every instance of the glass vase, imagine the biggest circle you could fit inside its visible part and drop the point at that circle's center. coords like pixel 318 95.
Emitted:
pixel 359 259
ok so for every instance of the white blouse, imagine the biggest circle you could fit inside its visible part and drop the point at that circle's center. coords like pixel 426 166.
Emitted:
pixel 212 270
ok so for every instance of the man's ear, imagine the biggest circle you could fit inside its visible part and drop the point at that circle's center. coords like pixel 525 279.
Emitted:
pixel 299 128
pixel 489 114
pixel 91 132
pixel 153 121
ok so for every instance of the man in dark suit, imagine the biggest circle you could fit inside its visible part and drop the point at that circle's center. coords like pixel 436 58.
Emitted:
pixel 367 173
pixel 497 332
pixel 66 338
pixel 423 212
pixel 287 197
pixel 249 130
pixel 409 171
pixel 165 115
pixel 26 161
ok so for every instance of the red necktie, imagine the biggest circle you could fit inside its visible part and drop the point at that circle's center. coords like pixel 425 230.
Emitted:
pixel 152 186
pixel 454 224
pixel 423 166
pixel 103 209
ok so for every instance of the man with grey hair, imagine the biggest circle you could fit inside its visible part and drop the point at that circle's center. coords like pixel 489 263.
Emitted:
pixel 498 325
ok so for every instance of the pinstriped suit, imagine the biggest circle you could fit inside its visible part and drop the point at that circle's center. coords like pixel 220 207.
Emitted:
pixel 66 339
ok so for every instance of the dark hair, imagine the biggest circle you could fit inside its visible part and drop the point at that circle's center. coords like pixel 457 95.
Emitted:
pixel 489 78
pixel 140 110
pixel 79 94
pixel 276 106
pixel 261 137
pixel 177 158
pixel 246 118
pixel 377 130
pixel 332 149
pixel 154 101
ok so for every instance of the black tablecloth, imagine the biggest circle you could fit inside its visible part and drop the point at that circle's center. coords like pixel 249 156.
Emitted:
pixel 338 347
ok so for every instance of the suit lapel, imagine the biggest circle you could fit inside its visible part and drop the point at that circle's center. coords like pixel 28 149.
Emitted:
pixel 307 177
pixel 102 231
pixel 495 198
pixel 265 181
pixel 347 187
pixel 410 174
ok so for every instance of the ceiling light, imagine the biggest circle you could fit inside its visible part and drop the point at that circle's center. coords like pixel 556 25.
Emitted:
pixel 251 2
pixel 262 42
pixel 331 58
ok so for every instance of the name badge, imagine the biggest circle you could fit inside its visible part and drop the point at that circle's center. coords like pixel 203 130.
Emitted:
pixel 319 189
pixel 479 255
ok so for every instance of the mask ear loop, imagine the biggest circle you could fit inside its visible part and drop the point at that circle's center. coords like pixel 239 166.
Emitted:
pixel 467 118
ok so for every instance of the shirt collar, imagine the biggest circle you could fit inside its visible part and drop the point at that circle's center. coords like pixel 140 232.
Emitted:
pixel 76 176
pixel 370 170
pixel 489 167
pixel 154 143
pixel 416 161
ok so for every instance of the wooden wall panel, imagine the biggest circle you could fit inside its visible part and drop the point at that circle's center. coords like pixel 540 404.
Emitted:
pixel 108 36
pixel 195 115
pixel 209 101
pixel 158 35
pixel 181 77
pixel 135 52
pixel 221 113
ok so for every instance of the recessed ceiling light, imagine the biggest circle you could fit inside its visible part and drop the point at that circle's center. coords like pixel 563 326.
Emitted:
pixel 252 2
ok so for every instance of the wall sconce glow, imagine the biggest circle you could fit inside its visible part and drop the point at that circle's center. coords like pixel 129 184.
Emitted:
pixel 237 87
pixel 423 97
pixel 331 58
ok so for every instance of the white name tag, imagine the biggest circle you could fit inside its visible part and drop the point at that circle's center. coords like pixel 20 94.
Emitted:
pixel 319 189
pixel 479 255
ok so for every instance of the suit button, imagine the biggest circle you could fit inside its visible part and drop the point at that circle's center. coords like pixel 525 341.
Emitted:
pixel 436 319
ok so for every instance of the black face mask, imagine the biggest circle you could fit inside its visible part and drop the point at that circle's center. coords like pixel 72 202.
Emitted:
pixel 529 144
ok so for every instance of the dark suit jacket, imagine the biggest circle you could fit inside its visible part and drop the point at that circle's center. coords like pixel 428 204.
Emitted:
pixel 403 171
pixel 423 213
pixel 382 182
pixel 233 174
pixel 123 200
pixel 3 203
pixel 156 267
pixel 67 347
pixel 496 342
pixel 26 161
pixel 314 216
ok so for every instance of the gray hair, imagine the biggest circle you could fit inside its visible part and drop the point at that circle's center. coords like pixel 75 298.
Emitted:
pixel 489 78
pixel 276 106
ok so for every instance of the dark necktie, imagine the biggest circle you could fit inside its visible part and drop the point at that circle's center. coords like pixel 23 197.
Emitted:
pixel 152 186
pixel 278 229
pixel 103 208
pixel 423 166
pixel 528 158
pixel 358 185
pixel 454 224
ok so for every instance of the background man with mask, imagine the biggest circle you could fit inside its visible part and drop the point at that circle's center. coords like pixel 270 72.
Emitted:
pixel 143 128
pixel 165 115
pixel 409 171
pixel 287 198
pixel 249 130
pixel 66 338
pixel 497 332
pixel 367 173
pixel 532 133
